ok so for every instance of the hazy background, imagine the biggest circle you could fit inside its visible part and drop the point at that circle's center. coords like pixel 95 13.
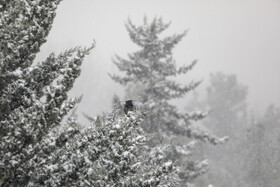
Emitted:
pixel 239 37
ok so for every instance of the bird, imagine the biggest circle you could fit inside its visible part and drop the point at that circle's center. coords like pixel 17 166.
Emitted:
pixel 128 106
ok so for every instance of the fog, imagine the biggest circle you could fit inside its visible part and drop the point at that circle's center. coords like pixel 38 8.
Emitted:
pixel 234 37
pixel 150 115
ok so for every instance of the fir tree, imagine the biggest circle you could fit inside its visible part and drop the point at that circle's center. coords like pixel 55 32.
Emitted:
pixel 111 152
pixel 262 164
pixel 34 102
pixel 226 99
pixel 33 96
pixel 148 74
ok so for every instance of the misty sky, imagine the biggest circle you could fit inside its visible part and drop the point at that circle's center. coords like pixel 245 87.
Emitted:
pixel 239 37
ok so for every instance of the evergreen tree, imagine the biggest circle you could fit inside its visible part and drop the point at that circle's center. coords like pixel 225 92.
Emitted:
pixel 148 74
pixel 33 96
pixel 226 100
pixel 111 152
pixel 262 164
pixel 37 148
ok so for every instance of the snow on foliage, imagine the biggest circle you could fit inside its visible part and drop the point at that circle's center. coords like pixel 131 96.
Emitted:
pixel 33 98
pixel 113 154
pixel 36 147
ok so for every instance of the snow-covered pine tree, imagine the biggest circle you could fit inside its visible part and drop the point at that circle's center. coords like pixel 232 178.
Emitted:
pixel 148 75
pixel 33 102
pixel 33 96
pixel 111 152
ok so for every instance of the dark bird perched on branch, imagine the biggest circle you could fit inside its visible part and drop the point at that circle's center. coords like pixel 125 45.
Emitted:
pixel 128 106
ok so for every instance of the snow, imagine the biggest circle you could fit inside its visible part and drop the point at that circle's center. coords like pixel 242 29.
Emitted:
pixel 90 171
pixel 52 167
pixel 117 126
pixel 181 150
pixel 126 154
pixel 167 164
pixel 13 162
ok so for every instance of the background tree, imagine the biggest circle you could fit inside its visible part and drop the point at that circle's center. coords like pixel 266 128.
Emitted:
pixel 148 74
pixel 226 98
pixel 262 156
pixel 226 101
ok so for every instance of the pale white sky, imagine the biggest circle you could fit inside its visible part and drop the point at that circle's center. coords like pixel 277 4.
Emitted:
pixel 233 36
